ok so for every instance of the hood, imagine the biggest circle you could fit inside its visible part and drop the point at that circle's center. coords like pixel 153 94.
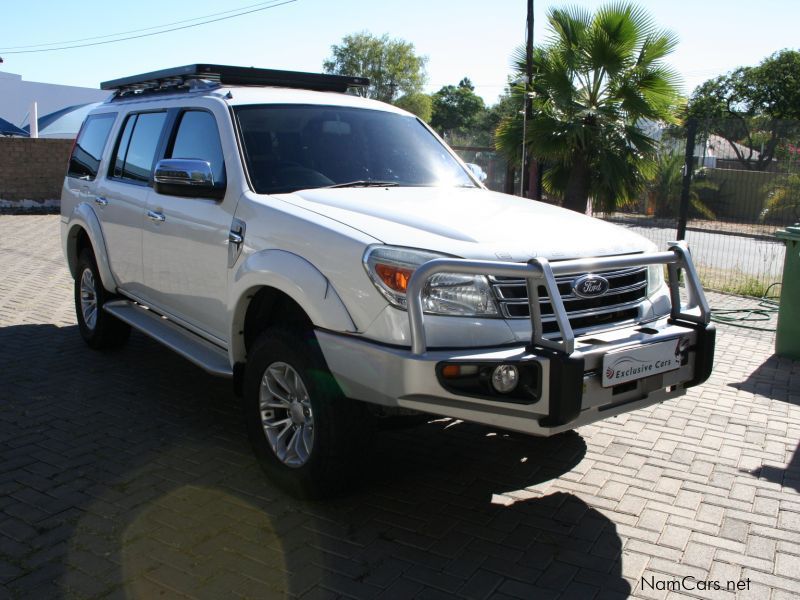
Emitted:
pixel 469 222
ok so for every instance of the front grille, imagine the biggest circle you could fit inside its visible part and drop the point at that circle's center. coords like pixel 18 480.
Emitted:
pixel 627 288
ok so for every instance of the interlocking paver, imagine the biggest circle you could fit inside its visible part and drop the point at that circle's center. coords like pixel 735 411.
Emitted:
pixel 129 475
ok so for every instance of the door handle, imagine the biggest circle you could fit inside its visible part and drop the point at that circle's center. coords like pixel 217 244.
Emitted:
pixel 156 216
pixel 100 201
pixel 235 241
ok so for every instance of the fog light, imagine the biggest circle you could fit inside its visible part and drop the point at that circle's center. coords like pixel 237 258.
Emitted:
pixel 505 378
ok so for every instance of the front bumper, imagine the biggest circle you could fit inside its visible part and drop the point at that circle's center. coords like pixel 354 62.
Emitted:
pixel 569 387
pixel 562 375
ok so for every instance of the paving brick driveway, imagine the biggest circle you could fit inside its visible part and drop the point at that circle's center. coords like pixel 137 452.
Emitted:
pixel 129 475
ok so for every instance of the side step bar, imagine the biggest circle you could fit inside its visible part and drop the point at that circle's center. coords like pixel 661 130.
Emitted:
pixel 204 354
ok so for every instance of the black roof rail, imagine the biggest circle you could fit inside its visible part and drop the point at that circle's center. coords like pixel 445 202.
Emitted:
pixel 189 76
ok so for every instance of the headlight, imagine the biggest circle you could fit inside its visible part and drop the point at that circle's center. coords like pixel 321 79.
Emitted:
pixel 655 279
pixel 444 294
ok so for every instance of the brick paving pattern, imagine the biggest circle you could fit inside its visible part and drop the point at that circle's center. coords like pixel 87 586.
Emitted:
pixel 128 475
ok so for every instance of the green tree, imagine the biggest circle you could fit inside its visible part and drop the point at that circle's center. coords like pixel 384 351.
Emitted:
pixel 664 188
pixel 456 107
pixel 597 78
pixel 753 108
pixel 418 103
pixel 783 201
pixel 392 65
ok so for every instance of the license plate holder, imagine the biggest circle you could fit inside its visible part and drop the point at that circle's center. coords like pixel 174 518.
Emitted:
pixel 630 364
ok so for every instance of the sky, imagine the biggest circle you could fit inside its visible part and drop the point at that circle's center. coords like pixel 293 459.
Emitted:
pixel 472 38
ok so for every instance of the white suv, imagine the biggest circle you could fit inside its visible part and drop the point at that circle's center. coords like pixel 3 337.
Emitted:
pixel 335 258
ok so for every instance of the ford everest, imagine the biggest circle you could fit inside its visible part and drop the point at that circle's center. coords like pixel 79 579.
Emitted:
pixel 338 261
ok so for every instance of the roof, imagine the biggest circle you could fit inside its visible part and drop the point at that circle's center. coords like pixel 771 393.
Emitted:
pixel 252 95
pixel 270 95
pixel 723 149
pixel 63 123
pixel 7 128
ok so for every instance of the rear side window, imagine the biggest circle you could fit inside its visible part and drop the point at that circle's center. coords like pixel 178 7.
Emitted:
pixel 198 138
pixel 88 149
pixel 137 146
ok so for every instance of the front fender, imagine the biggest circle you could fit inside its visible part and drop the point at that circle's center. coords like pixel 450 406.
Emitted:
pixel 295 277
pixel 84 218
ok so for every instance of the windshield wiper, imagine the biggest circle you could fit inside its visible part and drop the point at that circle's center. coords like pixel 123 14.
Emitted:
pixel 364 183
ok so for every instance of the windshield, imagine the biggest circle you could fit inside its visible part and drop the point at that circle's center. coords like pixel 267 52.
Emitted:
pixel 292 147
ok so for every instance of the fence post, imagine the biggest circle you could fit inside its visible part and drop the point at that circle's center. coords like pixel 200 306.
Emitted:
pixel 688 167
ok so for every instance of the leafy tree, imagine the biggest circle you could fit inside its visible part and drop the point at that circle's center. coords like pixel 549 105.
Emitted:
pixel 595 80
pixel 664 188
pixel 392 65
pixel 456 107
pixel 418 103
pixel 753 107
pixel 481 130
pixel 783 201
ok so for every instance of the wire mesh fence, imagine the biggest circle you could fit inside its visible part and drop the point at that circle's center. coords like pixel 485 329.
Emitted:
pixel 744 185
pixel 738 197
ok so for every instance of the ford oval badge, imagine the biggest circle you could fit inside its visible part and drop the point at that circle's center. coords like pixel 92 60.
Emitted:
pixel 590 286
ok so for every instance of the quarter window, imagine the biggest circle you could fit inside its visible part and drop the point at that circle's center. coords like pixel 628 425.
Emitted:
pixel 198 138
pixel 88 149
pixel 137 146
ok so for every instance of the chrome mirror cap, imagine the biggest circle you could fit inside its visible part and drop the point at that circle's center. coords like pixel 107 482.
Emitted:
pixel 184 171
pixel 186 177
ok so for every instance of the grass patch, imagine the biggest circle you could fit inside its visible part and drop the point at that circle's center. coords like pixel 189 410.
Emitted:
pixel 733 281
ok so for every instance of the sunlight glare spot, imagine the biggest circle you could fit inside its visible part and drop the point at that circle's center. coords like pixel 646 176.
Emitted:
pixel 502 500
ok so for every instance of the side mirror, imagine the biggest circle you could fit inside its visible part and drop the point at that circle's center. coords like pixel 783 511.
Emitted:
pixel 186 177
pixel 477 171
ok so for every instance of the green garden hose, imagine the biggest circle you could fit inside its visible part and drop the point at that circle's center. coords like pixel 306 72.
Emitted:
pixel 742 317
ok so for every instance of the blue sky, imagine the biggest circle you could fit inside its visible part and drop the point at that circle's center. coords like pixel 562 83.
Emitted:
pixel 460 38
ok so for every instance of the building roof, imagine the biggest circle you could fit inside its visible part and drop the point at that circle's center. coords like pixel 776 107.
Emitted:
pixel 17 94
pixel 7 128
pixel 63 123
pixel 718 147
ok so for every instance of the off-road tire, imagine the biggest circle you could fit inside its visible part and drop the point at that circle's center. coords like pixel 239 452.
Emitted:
pixel 341 426
pixel 99 329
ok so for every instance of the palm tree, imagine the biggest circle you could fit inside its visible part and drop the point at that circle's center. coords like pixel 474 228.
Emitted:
pixel 663 188
pixel 783 201
pixel 597 77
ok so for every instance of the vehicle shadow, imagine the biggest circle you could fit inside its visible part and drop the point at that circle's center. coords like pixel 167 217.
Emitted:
pixel 788 477
pixel 129 474
pixel 777 378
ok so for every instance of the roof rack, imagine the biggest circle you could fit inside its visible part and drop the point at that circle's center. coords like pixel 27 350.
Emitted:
pixel 196 76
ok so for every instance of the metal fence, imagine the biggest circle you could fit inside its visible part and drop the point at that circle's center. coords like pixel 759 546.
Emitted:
pixel 742 188
pixel 743 185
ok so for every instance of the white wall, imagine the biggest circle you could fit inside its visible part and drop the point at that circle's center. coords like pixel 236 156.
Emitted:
pixel 16 96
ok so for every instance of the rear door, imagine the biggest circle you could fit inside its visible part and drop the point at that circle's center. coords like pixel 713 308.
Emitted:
pixel 84 162
pixel 123 196
pixel 185 251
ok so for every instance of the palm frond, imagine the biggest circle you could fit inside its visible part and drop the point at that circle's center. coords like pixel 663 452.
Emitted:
pixel 595 79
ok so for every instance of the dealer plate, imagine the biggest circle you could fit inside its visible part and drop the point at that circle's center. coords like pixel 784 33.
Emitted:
pixel 642 361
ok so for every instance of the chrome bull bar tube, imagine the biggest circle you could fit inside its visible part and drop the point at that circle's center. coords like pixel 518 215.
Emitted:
pixel 541 272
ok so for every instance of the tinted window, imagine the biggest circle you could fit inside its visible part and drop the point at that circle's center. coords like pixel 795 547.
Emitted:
pixel 88 149
pixel 137 145
pixel 142 148
pixel 289 148
pixel 122 146
pixel 198 138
